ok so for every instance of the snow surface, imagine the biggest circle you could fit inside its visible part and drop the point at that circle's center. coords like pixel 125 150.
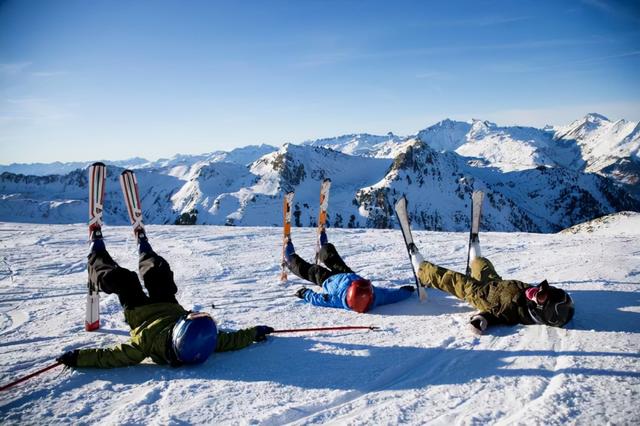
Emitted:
pixel 422 367
pixel 625 222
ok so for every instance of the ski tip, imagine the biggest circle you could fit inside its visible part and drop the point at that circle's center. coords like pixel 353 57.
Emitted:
pixel 126 172
pixel 92 326
pixel 422 294
pixel 400 201
pixel 98 164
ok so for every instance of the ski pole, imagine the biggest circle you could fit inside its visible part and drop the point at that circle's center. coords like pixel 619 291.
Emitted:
pixel 28 376
pixel 348 327
pixel 215 305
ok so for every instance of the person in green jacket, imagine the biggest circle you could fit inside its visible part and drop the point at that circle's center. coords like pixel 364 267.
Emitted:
pixel 499 301
pixel 161 329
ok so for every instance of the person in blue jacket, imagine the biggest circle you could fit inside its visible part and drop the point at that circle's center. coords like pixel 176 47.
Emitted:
pixel 342 287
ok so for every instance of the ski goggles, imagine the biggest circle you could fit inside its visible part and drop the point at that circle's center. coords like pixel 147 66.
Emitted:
pixel 195 315
pixel 537 295
pixel 557 312
pixel 554 313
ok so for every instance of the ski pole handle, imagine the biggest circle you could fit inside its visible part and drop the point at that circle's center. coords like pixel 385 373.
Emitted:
pixel 348 327
pixel 28 376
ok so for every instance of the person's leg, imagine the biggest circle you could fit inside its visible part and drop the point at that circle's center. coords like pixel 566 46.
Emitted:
pixel 483 270
pixel 111 278
pixel 157 275
pixel 330 257
pixel 313 273
pixel 455 283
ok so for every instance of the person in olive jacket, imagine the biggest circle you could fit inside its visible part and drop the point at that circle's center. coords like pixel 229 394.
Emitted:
pixel 499 301
pixel 161 329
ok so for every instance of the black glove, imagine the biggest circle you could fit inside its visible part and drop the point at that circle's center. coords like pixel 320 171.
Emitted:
pixel 70 359
pixel 412 248
pixel 478 324
pixel 410 288
pixel 261 332
pixel 301 291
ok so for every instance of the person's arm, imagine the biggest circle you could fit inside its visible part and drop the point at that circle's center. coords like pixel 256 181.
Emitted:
pixel 385 296
pixel 323 299
pixel 234 340
pixel 122 355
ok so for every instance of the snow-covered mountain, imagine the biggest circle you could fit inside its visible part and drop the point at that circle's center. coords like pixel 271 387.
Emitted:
pixel 540 180
pixel 179 163
pixel 601 141
pixel 59 168
pixel 626 223
pixel 593 144
pixel 438 186
pixel 362 144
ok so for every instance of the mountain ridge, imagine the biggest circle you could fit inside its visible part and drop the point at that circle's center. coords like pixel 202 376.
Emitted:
pixel 536 180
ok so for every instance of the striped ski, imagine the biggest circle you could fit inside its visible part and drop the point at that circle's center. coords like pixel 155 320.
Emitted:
pixel 476 213
pixel 97 180
pixel 405 227
pixel 287 211
pixel 129 185
pixel 322 216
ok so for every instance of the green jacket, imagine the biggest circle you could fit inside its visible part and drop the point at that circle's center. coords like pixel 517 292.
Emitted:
pixel 500 301
pixel 151 327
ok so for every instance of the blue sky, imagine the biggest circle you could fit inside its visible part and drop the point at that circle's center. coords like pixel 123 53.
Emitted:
pixel 81 80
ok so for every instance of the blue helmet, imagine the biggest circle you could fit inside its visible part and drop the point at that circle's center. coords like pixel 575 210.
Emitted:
pixel 194 338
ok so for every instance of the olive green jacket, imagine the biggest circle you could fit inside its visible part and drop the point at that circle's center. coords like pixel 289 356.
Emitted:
pixel 151 327
pixel 500 301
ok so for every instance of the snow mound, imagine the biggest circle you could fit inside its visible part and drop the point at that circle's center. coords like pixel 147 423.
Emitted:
pixel 622 223
pixel 421 367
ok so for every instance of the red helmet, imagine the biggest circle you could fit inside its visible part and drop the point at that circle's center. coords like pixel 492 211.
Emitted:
pixel 360 295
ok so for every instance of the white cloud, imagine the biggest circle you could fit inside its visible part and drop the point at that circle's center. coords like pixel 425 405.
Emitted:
pixel 48 73
pixel 13 68
pixel 33 110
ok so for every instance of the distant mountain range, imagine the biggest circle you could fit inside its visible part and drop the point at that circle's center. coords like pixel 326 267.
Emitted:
pixel 537 180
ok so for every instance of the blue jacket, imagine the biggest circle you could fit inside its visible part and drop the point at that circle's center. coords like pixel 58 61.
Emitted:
pixel 335 293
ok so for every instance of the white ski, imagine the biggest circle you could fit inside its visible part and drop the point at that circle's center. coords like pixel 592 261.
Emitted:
pixel 405 226
pixel 287 211
pixel 476 214
pixel 97 179
pixel 322 216
pixel 129 185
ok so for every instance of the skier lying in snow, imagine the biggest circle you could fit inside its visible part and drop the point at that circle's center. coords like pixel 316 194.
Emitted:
pixel 342 287
pixel 160 328
pixel 499 301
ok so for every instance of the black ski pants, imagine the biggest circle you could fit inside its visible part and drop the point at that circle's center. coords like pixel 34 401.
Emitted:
pixel 318 274
pixel 111 278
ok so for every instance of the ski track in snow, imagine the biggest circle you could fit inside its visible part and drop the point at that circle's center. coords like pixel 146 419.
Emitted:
pixel 423 366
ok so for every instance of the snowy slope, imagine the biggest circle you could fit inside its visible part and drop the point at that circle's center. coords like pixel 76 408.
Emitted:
pixel 439 186
pixel 64 199
pixel 242 156
pixel 59 168
pixel 362 144
pixel 622 223
pixel 174 165
pixel 421 367
pixel 589 144
pixel 602 141
pixel 508 148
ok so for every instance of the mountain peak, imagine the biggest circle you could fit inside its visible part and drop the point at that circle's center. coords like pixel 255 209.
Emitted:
pixel 481 127
pixel 594 117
